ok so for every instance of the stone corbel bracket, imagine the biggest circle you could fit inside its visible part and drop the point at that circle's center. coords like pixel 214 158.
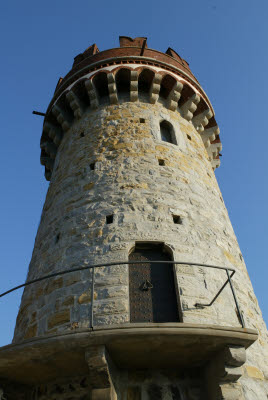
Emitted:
pixel 101 369
pixel 87 93
pixel 75 104
pixel 223 372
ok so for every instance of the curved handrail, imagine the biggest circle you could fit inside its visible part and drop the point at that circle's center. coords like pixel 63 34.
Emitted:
pixel 115 263
pixel 68 271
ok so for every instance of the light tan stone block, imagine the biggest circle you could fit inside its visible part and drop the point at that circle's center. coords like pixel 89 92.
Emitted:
pixel 254 372
pixel 31 332
pixel 88 186
pixel 59 318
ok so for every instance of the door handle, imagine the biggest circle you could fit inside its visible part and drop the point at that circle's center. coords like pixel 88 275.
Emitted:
pixel 146 285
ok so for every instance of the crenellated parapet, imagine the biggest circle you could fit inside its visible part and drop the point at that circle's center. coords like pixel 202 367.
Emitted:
pixel 124 75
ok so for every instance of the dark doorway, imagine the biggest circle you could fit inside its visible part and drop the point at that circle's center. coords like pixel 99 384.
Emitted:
pixel 151 286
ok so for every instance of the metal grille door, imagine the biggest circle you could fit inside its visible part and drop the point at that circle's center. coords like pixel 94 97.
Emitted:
pixel 151 287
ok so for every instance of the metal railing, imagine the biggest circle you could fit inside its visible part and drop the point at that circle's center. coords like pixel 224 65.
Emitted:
pixel 116 263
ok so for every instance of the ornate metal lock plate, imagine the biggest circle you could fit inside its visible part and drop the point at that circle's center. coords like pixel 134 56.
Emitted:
pixel 146 285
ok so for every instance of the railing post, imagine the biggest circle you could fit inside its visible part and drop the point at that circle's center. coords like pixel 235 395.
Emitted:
pixel 92 296
pixel 235 299
pixel 176 280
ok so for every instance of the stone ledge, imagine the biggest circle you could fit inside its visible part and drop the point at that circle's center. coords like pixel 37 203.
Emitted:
pixel 166 345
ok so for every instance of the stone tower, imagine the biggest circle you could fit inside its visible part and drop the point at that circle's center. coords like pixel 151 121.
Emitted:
pixel 129 145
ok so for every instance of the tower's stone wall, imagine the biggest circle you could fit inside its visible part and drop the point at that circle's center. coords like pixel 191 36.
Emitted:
pixel 134 385
pixel 125 144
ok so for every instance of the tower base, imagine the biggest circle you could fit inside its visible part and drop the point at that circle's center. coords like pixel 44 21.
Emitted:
pixel 177 361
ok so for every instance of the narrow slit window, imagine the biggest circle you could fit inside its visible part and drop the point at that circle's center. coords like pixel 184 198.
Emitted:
pixel 82 134
pixel 92 166
pixel 57 238
pixel 109 219
pixel 177 219
pixel 189 137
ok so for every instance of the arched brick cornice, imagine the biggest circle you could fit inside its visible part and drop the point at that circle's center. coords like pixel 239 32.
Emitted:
pixel 107 85
pixel 77 73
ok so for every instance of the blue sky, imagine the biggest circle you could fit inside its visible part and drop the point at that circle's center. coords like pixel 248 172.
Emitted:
pixel 225 43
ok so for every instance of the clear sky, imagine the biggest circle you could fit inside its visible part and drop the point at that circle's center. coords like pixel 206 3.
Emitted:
pixel 225 43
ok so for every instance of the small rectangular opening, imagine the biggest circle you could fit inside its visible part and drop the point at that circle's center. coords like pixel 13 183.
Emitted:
pixel 161 162
pixel 82 134
pixel 142 120
pixel 189 137
pixel 92 166
pixel 109 219
pixel 57 238
pixel 177 219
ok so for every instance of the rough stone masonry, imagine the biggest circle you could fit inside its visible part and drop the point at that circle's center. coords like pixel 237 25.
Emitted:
pixel 115 181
